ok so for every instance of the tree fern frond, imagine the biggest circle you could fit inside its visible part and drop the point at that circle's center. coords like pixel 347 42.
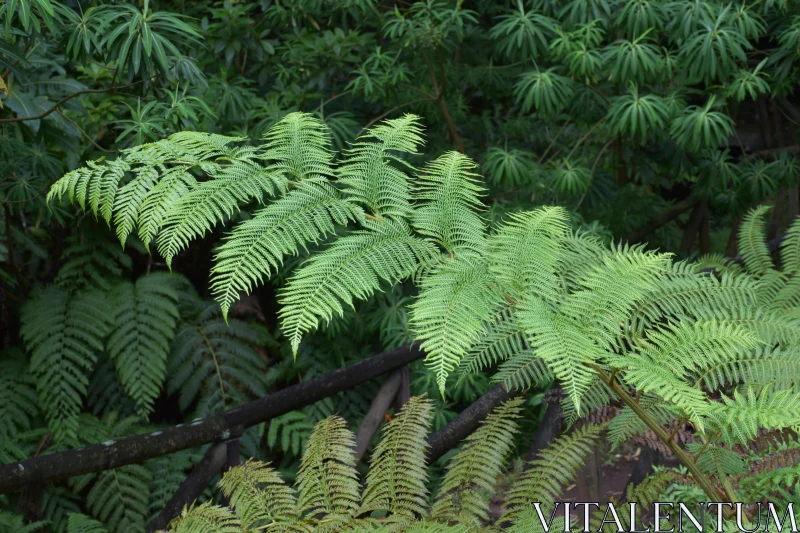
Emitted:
pixel 145 316
pixel 448 315
pixel 211 202
pixel 502 337
pixel 525 251
pixel 173 185
pixel 781 367
pixel 551 471
pixel 370 172
pixel 300 146
pixel 524 370
pixel 449 194
pixel 477 466
pixel 790 248
pixel 327 481
pixel 397 477
pixel 258 495
pixel 63 333
pixel 352 267
pixel 752 244
pixel 740 417
pixel 256 248
pixel 562 345
pixel 119 498
pixel 207 518
pixel 80 523
pixel 18 399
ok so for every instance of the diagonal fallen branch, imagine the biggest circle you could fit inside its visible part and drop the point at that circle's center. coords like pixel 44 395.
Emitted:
pixel 137 448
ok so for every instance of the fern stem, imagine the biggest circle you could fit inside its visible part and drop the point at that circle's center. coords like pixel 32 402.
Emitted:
pixel 699 476
pixel 216 364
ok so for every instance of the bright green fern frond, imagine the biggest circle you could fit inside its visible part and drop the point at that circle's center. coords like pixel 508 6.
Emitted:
pixel 740 417
pixel 552 470
pixel 211 202
pixel 95 183
pixel 145 316
pixel 207 518
pixel 448 315
pixel 300 146
pixel 525 250
pixel 450 196
pixel 502 338
pixel 752 243
pixel 790 248
pixel 562 345
pixel 370 172
pixel 524 370
pixel 152 207
pixel 119 498
pixel 781 367
pixel 327 481
pixel 352 267
pixel 255 248
pixel 477 466
pixel 627 424
pixel 63 333
pixel 259 495
pixel 80 523
pixel 611 289
pixel 397 476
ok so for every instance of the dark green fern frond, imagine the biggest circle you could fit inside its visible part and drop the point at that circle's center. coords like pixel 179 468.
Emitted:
pixel 351 268
pixel 18 399
pixel 397 477
pixel 16 523
pixel 525 251
pixel 551 471
pixel 214 362
pixel 91 260
pixel 370 173
pixel 327 481
pixel 454 301
pixel 477 466
pixel 259 496
pixel 119 498
pixel 450 196
pixel 63 333
pixel 80 523
pixel 212 201
pixel 145 316
pixel 255 249
pixel 168 473
pixel 752 244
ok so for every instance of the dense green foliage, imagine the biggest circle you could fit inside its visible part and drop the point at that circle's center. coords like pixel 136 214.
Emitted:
pixel 299 184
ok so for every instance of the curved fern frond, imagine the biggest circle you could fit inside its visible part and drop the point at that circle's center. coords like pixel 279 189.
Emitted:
pixel 562 345
pixel 370 172
pixel 740 417
pixel 790 249
pixel 300 146
pixel 18 399
pixel 256 248
pixel 352 267
pixel 525 250
pixel 207 518
pixel 477 466
pixel 502 338
pixel 327 481
pixel 752 244
pixel 258 495
pixel 781 367
pixel 144 316
pixel 448 315
pixel 211 202
pixel 119 498
pixel 551 471
pixel 397 477
pixel 449 193
pixel 63 333
pixel 80 523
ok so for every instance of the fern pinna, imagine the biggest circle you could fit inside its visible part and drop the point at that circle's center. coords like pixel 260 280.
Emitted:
pixel 531 296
